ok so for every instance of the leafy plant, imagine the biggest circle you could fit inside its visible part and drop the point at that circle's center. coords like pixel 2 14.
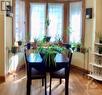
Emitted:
pixel 76 46
pixel 46 38
pixel 49 53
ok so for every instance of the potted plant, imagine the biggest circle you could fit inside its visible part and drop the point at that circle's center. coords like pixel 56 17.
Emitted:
pixel 49 53
pixel 78 47
pixel 19 43
pixel 46 38
pixel 14 49
pixel 28 45
pixel 99 36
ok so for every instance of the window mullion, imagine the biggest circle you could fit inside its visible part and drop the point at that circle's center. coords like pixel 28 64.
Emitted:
pixel 46 28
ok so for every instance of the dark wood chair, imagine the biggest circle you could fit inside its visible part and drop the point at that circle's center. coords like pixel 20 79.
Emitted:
pixel 62 73
pixel 35 70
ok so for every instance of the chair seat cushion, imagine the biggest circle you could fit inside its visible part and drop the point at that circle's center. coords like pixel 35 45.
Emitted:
pixel 59 73
pixel 36 74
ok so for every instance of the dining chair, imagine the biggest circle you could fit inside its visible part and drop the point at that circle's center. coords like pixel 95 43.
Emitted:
pixel 62 73
pixel 34 72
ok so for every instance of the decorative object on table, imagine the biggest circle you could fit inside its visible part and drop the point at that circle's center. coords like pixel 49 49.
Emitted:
pixel 49 53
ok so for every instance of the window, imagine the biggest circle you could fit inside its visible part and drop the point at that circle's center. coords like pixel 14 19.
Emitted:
pixel 75 22
pixel 38 16
pixel 38 21
pixel 19 26
pixel 55 15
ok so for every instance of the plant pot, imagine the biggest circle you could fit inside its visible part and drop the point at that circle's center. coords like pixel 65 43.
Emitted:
pixel 28 45
pixel 19 43
pixel 100 50
pixel 100 41
pixel 78 49
pixel 47 38
pixel 14 50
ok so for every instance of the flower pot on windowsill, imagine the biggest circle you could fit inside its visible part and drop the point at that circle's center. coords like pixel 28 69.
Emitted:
pixel 100 41
pixel 46 38
pixel 19 43
pixel 14 49
pixel 100 50
pixel 28 45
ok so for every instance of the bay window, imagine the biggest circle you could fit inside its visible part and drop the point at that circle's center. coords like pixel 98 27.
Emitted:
pixel 75 22
pixel 49 19
pixel 39 14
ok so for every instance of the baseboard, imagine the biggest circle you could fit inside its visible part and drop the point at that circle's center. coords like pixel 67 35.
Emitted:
pixel 79 69
pixel 2 79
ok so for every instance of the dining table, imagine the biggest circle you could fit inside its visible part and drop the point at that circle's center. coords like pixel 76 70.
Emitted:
pixel 35 60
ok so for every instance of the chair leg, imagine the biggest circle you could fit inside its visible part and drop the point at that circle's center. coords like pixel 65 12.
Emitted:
pixel 42 81
pixel 50 86
pixel 60 80
pixel 28 86
pixel 45 87
pixel 66 87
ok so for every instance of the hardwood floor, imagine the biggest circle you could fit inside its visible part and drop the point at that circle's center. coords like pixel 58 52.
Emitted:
pixel 78 85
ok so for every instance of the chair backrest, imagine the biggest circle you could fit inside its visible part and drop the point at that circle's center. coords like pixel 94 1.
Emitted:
pixel 39 66
pixel 70 53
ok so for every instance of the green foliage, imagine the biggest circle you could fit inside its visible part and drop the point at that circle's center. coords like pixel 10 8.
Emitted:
pixel 50 52
pixel 76 46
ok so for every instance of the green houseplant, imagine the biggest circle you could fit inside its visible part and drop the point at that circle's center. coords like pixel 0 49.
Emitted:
pixel 49 53
pixel 99 36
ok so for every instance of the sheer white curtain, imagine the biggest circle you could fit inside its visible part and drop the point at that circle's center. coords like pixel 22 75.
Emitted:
pixel 37 20
pixel 55 15
pixel 76 22
pixel 19 21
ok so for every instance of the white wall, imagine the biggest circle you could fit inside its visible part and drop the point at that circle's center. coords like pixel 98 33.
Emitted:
pixel 79 59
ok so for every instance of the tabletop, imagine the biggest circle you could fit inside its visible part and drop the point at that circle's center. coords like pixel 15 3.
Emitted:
pixel 36 58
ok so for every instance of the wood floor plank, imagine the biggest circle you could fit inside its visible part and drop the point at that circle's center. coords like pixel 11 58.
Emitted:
pixel 78 85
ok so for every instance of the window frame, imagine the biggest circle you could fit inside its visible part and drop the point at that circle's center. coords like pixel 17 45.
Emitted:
pixel 66 15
